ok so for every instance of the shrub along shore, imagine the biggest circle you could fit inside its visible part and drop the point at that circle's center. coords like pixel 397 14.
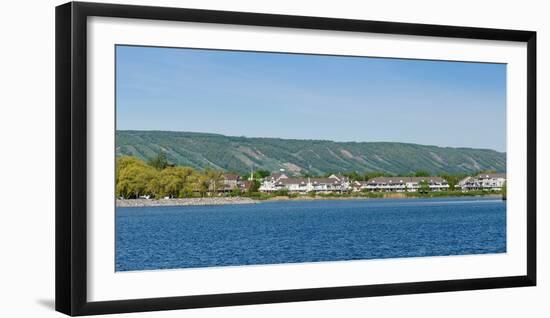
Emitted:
pixel 371 195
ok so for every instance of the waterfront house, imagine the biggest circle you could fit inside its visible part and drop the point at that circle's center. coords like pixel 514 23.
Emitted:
pixel 226 183
pixel 229 182
pixel 299 185
pixel 483 181
pixel 271 183
pixel 328 185
pixel 404 184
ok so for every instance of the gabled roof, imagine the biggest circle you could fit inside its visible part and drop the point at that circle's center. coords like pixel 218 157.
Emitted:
pixel 287 181
pixel 230 176
pixel 464 180
pixel 276 176
pixel 324 181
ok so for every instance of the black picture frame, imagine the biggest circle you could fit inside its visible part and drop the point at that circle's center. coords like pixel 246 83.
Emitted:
pixel 71 157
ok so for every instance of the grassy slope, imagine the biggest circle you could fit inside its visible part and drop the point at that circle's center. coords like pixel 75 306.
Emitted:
pixel 239 154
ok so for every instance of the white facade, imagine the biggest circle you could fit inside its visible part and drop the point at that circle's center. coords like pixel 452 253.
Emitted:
pixel 404 184
pixel 484 181
pixel 304 185
pixel 336 183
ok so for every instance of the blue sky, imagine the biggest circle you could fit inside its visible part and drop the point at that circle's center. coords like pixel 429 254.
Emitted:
pixel 253 94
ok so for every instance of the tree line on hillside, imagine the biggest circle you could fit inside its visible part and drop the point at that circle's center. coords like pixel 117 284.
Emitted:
pixel 157 178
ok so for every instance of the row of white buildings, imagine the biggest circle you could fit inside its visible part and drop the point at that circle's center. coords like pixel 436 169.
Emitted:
pixel 338 184
pixel 280 181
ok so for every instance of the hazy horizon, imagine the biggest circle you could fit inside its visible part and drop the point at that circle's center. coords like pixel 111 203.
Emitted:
pixel 312 97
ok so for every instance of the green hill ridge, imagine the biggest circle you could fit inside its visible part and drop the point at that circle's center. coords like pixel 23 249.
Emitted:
pixel 241 154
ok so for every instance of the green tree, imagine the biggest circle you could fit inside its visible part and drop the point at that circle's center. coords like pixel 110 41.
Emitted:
pixel 159 162
pixel 172 182
pixel 202 184
pixel 215 178
pixel 421 173
pixel 452 179
pixel 154 186
pixel 132 177
pixel 255 186
pixel 235 192
pixel 354 176
pixel 191 184
pixel 209 182
pixel 262 173
pixel 424 187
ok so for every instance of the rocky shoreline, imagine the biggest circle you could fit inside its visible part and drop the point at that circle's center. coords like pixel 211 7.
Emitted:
pixel 245 200
pixel 183 202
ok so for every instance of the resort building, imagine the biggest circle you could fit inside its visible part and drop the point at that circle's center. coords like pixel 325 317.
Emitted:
pixel 341 184
pixel 280 181
pixel 484 181
pixel 338 183
pixel 404 184
pixel 230 180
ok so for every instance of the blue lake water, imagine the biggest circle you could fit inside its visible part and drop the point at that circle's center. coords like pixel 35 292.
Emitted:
pixel 306 231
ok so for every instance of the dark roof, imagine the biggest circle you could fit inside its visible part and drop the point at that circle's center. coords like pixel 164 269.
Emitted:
pixel 324 181
pixel 491 175
pixel 292 181
pixel 230 176
pixel 245 184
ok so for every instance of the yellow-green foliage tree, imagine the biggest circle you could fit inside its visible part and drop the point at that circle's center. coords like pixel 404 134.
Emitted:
pixel 132 177
pixel 135 178
pixel 174 182
pixel 209 182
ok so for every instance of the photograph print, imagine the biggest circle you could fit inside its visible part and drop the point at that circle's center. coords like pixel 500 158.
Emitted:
pixel 239 158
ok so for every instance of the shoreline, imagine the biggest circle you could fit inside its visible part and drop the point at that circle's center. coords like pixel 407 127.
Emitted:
pixel 308 198
pixel 127 203
pixel 134 203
